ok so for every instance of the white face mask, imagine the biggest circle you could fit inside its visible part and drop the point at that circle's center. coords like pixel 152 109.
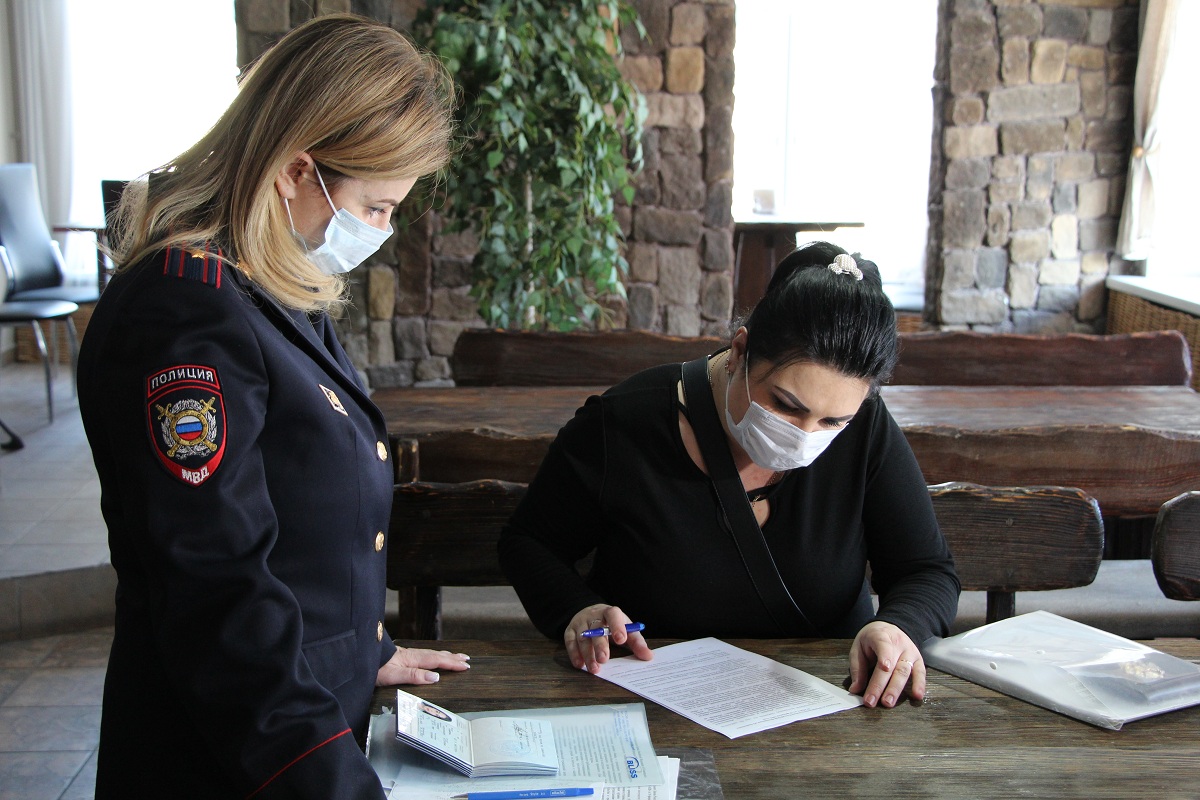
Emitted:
pixel 774 443
pixel 348 240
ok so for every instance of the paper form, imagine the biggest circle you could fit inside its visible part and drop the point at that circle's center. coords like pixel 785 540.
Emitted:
pixel 727 689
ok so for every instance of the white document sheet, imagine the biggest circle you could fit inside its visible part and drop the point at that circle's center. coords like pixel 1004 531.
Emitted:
pixel 727 689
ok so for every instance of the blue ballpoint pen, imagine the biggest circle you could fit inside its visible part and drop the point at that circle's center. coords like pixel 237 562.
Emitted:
pixel 519 795
pixel 632 627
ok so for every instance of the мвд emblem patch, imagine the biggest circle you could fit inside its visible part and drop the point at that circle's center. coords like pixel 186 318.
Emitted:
pixel 186 416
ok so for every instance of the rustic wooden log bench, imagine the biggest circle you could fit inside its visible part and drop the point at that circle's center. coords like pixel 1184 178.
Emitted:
pixel 487 357
pixel 1004 540
pixel 967 358
pixel 444 534
pixel 1175 550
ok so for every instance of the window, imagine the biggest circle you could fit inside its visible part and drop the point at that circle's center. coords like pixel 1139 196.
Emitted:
pixel 1178 174
pixel 833 113
pixel 148 78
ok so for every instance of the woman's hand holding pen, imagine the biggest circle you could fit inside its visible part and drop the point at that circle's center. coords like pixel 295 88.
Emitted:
pixel 589 652
pixel 883 660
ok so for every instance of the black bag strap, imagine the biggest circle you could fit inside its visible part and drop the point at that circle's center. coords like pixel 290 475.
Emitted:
pixel 735 507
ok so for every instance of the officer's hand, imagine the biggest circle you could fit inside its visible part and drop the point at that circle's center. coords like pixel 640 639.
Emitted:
pixel 415 665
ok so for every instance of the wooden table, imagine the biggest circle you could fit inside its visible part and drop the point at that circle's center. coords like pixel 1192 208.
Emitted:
pixel 1131 447
pixel 965 741
pixel 760 242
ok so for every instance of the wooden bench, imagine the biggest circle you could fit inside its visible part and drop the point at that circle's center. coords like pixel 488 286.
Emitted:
pixel 967 358
pixel 1016 539
pixel 1135 598
pixel 444 534
pixel 469 455
pixel 1175 550
pixel 1004 540
pixel 488 357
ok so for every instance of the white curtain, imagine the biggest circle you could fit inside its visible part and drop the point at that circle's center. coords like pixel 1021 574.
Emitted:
pixel 43 98
pixel 1137 215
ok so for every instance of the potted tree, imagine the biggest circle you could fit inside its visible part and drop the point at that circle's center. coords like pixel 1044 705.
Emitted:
pixel 552 135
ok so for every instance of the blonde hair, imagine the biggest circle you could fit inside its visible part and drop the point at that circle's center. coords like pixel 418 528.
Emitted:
pixel 354 94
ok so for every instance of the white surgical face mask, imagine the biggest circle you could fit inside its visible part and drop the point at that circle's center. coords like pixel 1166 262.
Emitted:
pixel 348 240
pixel 772 442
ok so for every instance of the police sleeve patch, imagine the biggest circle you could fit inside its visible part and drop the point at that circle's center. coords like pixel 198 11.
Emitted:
pixel 186 416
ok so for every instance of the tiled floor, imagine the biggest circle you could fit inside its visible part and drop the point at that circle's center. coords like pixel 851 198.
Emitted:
pixel 50 692
pixel 49 494
pixel 50 524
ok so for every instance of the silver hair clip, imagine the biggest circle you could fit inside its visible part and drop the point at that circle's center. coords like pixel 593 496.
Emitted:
pixel 844 265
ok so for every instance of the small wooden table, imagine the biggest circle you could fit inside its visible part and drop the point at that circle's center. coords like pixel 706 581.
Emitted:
pixel 760 242
pixel 964 741
pixel 1131 447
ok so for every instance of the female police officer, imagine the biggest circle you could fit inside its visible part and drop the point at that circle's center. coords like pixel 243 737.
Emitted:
pixel 246 480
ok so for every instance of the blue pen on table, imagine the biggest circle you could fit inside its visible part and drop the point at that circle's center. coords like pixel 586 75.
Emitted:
pixel 632 627
pixel 518 795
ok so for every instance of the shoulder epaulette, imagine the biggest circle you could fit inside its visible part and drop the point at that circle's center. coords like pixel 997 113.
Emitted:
pixel 196 264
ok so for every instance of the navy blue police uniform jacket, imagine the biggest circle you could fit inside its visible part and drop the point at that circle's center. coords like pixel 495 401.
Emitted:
pixel 246 484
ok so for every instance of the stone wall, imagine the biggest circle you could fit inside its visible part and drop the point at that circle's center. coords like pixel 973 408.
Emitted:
pixel 1032 131
pixel 680 226
pixel 412 301
pixel 1034 110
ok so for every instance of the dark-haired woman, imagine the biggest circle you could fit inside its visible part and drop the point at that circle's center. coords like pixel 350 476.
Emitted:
pixel 826 485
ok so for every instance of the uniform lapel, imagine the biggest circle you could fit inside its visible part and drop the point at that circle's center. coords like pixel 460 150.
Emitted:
pixel 301 332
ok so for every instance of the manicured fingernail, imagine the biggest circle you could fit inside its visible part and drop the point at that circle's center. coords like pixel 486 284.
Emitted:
pixel 433 677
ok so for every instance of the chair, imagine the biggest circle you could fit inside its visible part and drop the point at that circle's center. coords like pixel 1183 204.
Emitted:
pixel 1010 539
pixel 444 534
pixel 1175 552
pixel 110 191
pixel 34 265
pixel 34 312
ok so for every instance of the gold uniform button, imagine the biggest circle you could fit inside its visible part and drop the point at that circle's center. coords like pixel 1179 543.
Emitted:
pixel 378 541
pixel 379 632
pixel 381 449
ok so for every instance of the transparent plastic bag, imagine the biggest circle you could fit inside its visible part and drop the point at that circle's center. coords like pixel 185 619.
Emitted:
pixel 1069 667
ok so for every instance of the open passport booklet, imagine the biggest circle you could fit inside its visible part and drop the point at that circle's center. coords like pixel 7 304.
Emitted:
pixel 482 747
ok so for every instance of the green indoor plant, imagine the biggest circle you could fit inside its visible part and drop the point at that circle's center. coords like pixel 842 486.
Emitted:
pixel 552 132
